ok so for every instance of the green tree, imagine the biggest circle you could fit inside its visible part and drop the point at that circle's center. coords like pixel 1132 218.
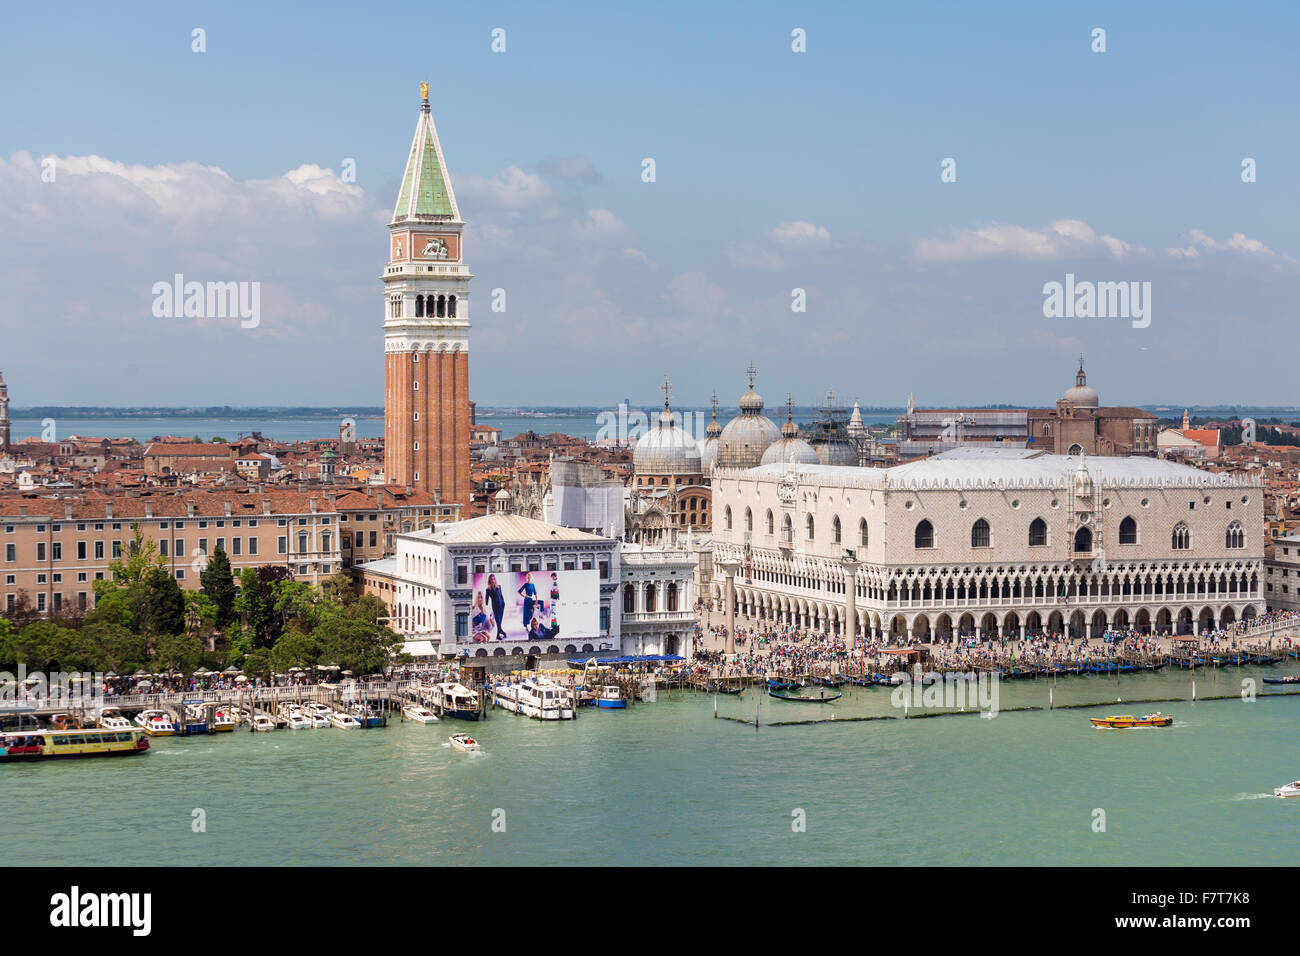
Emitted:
pixel 218 584
pixel 160 603
pixel 181 652
pixel 200 613
pixel 119 648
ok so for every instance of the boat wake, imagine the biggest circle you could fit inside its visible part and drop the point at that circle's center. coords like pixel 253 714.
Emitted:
pixel 1254 796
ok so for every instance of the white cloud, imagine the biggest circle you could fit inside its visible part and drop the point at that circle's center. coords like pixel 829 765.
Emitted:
pixel 1056 240
pixel 1198 240
pixel 639 255
pixel 511 188
pixel 598 224
pixel 749 255
pixel 796 235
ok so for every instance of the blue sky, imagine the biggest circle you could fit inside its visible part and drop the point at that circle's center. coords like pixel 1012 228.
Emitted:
pixel 775 170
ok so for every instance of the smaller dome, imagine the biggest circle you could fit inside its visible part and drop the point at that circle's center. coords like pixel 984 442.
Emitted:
pixel 836 453
pixel 751 401
pixel 790 451
pixel 666 450
pixel 1082 395
pixel 708 453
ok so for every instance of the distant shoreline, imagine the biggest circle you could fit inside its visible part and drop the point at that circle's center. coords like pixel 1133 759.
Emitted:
pixel 308 413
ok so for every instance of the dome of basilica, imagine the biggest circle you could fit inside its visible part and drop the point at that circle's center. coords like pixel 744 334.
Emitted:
pixel 748 435
pixel 790 449
pixel 666 449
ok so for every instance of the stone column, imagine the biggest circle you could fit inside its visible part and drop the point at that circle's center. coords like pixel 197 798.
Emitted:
pixel 850 602
pixel 729 569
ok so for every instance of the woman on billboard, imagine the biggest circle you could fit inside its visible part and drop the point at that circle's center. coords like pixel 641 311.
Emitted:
pixel 481 620
pixel 529 590
pixel 498 602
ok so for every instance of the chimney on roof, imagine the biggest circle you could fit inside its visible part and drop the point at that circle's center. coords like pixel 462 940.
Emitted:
pixel 22 511
pixel 148 509
pixel 266 506
pixel 189 509
pixel 312 505
pixel 67 512
pixel 108 509
pixel 408 490
pixel 227 508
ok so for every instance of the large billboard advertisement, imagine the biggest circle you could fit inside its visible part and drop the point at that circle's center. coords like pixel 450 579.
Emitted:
pixel 534 606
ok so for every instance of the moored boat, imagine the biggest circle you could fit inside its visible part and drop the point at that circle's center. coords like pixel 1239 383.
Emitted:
pixel 222 722
pixel 261 722
pixel 464 743
pixel 536 697
pixel 111 719
pixel 65 722
pixel 343 721
pixel 611 698
pixel 155 723
pixel 1126 722
pixel 454 700
pixel 795 699
pixel 419 714
pixel 83 742
pixel 295 719
pixel 195 720
pixel 1292 679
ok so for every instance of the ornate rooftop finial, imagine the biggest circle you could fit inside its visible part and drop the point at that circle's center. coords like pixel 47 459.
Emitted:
pixel 714 403
pixel 424 90
pixel 666 387
pixel 751 371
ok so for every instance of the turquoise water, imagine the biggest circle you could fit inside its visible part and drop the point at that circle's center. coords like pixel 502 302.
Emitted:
pixel 665 783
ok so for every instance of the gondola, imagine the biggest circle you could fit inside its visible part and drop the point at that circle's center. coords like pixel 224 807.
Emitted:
pixel 1293 679
pixel 782 684
pixel 723 689
pixel 835 680
pixel 804 700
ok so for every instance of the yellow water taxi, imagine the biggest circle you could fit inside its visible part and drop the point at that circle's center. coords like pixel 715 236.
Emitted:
pixel 84 742
pixel 1121 723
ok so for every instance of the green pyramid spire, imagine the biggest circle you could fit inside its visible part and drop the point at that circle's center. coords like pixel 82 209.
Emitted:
pixel 426 190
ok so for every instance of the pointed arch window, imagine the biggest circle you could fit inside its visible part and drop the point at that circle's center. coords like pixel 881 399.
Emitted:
pixel 1128 530
pixel 1083 541
pixel 1181 539
pixel 980 534
pixel 835 530
pixel 1038 533
pixel 771 526
pixel 863 536
pixel 1236 536
pixel 810 526
pixel 924 537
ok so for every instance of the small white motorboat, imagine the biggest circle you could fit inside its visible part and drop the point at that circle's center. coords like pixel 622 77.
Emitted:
pixel 421 715
pixel 261 722
pixel 1291 789
pixel 464 743
pixel 343 721
pixel 111 719
pixel 297 720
